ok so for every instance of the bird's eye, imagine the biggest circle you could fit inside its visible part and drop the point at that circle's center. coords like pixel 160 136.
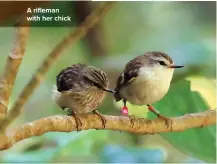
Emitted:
pixel 97 85
pixel 162 63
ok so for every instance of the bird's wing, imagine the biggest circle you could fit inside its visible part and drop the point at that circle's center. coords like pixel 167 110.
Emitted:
pixel 130 72
pixel 70 78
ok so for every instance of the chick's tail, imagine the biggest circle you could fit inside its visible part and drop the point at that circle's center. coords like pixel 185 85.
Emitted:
pixel 55 94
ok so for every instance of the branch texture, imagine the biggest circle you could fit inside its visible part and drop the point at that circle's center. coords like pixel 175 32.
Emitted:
pixel 12 66
pixel 118 123
pixel 74 36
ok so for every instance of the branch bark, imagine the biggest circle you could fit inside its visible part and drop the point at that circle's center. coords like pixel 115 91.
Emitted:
pixel 12 66
pixel 117 123
pixel 75 35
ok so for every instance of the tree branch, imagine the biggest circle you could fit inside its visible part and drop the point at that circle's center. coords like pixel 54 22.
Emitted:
pixel 92 121
pixel 94 38
pixel 12 66
pixel 75 35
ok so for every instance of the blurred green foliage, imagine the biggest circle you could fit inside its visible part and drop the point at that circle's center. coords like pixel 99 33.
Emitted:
pixel 185 30
pixel 197 142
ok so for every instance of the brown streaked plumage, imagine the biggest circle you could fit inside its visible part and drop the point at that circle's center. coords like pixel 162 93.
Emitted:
pixel 145 80
pixel 81 88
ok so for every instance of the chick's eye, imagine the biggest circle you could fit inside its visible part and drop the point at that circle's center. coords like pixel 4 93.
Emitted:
pixel 97 85
pixel 162 63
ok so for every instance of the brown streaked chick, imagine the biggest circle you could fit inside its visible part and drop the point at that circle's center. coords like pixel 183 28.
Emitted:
pixel 145 80
pixel 81 88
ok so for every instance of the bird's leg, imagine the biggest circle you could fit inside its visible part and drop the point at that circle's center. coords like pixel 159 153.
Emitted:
pixel 71 112
pixel 124 111
pixel 101 117
pixel 156 112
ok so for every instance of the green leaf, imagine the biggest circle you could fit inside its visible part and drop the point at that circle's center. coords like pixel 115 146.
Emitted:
pixel 197 142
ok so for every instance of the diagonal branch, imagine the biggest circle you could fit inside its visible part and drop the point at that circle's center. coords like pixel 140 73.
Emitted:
pixel 74 36
pixel 92 121
pixel 12 66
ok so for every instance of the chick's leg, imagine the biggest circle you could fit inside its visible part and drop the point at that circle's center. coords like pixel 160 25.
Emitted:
pixel 156 112
pixel 101 117
pixel 71 112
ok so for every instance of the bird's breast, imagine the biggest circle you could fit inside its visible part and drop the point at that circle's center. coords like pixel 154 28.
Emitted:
pixel 142 91
pixel 82 102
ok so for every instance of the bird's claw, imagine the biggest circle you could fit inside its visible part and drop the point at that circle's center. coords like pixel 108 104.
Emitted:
pixel 78 124
pixel 77 119
pixel 132 120
pixel 101 117
pixel 167 120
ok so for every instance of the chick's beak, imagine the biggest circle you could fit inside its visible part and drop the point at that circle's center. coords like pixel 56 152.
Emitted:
pixel 109 90
pixel 176 66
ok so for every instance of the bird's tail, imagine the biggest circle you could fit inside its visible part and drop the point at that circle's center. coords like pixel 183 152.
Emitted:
pixel 55 94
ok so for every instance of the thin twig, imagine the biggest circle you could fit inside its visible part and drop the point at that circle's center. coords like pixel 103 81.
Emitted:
pixel 74 36
pixel 91 121
pixel 12 66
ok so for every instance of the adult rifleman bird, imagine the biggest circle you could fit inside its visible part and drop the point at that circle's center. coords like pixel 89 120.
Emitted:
pixel 145 80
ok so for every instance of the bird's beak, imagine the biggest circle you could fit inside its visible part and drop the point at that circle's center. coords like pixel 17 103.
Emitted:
pixel 176 66
pixel 109 90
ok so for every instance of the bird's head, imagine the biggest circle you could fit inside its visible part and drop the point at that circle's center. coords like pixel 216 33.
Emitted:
pixel 99 79
pixel 160 59
pixel 159 65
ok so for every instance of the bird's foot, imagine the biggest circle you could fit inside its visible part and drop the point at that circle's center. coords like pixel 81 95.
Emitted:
pixel 77 119
pixel 132 120
pixel 124 111
pixel 167 120
pixel 101 117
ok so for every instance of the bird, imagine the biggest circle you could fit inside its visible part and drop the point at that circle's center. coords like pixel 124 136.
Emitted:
pixel 81 88
pixel 145 80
